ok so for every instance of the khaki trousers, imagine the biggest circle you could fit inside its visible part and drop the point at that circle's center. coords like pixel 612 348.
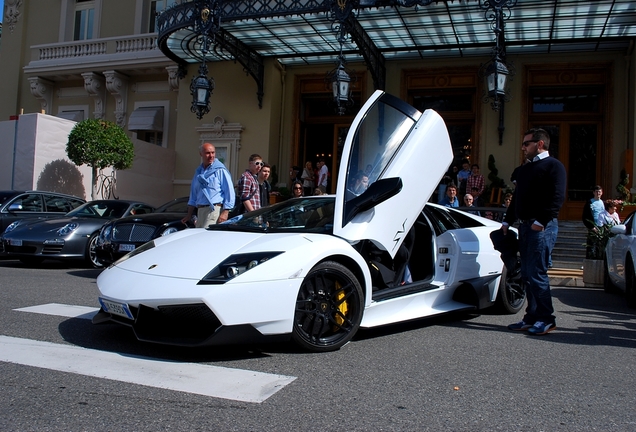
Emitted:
pixel 207 216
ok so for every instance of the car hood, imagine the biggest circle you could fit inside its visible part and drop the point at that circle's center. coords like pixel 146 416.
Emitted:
pixel 152 218
pixel 193 253
pixel 48 225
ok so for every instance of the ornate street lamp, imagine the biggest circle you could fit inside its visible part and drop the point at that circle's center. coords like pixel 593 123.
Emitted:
pixel 341 86
pixel 207 24
pixel 496 80
pixel 496 72
pixel 201 88
pixel 339 78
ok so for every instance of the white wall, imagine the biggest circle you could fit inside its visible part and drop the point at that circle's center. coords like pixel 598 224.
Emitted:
pixel 41 163
pixel 151 175
pixel 7 135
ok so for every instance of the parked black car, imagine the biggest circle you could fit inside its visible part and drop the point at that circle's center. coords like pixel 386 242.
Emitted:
pixel 67 237
pixel 121 236
pixel 16 205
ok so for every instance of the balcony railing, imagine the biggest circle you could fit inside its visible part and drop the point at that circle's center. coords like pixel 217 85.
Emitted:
pixel 126 50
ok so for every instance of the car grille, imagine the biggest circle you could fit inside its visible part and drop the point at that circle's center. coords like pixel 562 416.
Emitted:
pixel 21 249
pixel 189 324
pixel 52 249
pixel 138 233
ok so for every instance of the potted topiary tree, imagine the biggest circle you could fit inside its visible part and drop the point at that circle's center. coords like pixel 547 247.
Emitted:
pixel 99 144
pixel 594 263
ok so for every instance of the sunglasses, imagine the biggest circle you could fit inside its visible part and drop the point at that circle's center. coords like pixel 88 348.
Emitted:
pixel 297 188
pixel 259 163
pixel 527 143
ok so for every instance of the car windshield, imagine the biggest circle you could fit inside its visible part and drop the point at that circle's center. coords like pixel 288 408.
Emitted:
pixel 174 206
pixel 309 214
pixel 6 195
pixel 105 209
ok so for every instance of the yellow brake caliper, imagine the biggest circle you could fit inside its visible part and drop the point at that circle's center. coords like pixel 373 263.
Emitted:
pixel 342 307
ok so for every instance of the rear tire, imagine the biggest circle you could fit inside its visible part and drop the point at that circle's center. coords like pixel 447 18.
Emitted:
pixel 511 294
pixel 329 308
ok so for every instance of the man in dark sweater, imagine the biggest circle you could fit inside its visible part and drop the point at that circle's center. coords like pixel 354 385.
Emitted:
pixel 536 202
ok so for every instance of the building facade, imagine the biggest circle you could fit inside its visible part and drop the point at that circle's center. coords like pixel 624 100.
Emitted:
pixel 81 59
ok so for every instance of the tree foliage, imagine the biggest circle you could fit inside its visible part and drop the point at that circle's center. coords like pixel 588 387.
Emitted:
pixel 100 144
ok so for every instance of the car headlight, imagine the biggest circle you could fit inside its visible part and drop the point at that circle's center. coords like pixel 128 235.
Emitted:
pixel 169 230
pixel 236 265
pixel 67 229
pixel 104 234
pixel 12 226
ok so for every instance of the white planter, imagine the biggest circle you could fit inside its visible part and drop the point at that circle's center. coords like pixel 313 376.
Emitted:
pixel 593 273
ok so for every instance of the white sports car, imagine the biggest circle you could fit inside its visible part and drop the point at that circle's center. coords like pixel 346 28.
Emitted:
pixel 318 268
pixel 620 254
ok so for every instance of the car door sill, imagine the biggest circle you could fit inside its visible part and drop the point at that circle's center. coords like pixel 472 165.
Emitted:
pixel 402 290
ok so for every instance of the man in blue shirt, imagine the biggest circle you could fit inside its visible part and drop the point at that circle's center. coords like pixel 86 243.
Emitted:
pixel 212 190
pixel 450 200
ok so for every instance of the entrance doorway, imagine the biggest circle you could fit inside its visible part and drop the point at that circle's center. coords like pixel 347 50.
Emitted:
pixel 321 132
pixel 573 117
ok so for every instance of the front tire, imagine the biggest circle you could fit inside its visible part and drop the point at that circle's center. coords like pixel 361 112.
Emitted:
pixel 329 308
pixel 91 254
pixel 511 294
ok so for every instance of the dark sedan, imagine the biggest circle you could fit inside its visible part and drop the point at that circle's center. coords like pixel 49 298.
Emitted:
pixel 72 236
pixel 15 205
pixel 121 236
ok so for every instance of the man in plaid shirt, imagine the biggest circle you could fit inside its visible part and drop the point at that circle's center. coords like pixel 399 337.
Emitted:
pixel 248 185
pixel 476 183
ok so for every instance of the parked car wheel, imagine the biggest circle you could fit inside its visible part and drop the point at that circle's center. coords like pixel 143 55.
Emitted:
pixel 608 285
pixel 511 294
pixel 630 280
pixel 328 308
pixel 91 254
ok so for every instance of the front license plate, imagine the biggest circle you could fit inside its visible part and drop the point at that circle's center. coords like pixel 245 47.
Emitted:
pixel 126 248
pixel 13 242
pixel 116 308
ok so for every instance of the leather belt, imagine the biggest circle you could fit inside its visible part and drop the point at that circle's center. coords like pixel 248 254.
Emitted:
pixel 208 205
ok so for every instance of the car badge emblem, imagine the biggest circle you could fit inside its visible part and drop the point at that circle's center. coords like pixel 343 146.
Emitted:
pixel 323 307
pixel 152 266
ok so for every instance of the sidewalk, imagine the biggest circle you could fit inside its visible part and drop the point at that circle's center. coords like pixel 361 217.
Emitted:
pixel 566 277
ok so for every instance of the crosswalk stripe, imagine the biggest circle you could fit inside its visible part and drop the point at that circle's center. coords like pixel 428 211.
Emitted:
pixel 220 382
pixel 57 309
pixel 225 383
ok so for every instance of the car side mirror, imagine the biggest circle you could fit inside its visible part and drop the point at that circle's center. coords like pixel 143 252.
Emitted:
pixel 15 207
pixel 378 192
pixel 618 229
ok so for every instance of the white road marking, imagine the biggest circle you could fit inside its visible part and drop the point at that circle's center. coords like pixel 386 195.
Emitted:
pixel 69 311
pixel 214 381
pixel 220 382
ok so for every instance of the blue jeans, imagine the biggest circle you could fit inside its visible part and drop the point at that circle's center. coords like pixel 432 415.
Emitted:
pixel 535 248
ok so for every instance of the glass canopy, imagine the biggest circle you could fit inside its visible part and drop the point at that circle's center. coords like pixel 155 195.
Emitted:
pixel 300 31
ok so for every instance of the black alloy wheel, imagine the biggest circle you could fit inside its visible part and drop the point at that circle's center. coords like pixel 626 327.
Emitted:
pixel 329 308
pixel 511 293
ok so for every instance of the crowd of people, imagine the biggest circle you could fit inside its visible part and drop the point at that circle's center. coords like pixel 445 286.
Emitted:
pixel 213 196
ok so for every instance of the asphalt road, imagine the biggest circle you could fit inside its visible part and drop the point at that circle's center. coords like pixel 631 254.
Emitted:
pixel 455 373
